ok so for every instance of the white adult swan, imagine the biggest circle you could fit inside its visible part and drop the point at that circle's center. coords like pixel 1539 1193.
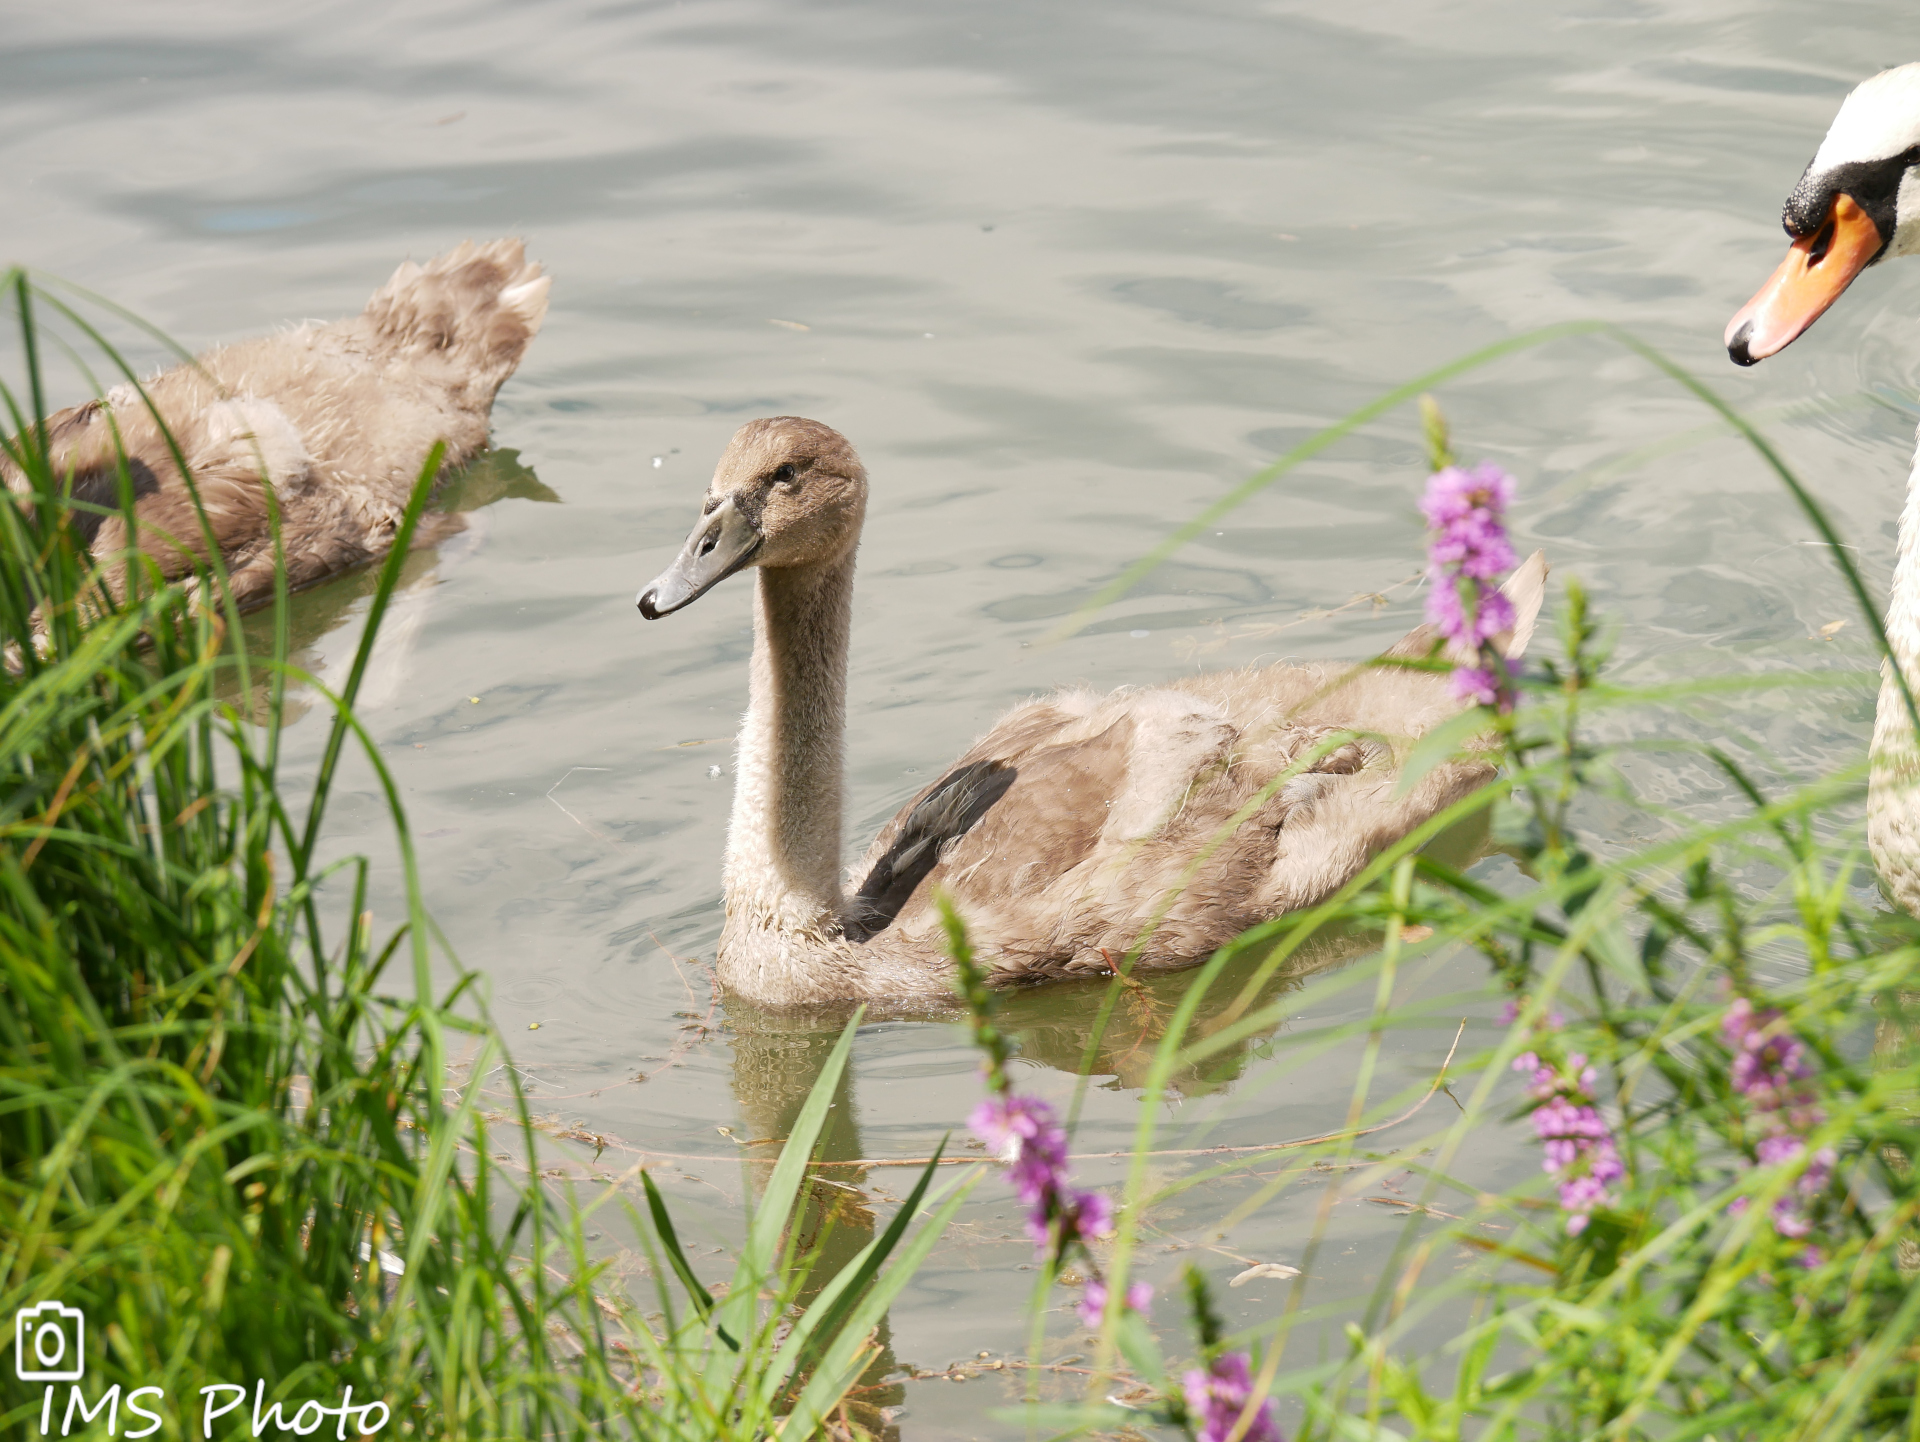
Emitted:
pixel 1073 824
pixel 1858 203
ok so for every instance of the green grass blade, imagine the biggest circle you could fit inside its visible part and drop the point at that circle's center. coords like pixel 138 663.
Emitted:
pixel 663 1228
pixel 845 1356
pixel 758 1256
pixel 825 1318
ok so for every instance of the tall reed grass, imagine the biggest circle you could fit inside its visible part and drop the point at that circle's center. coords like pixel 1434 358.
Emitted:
pixel 232 1133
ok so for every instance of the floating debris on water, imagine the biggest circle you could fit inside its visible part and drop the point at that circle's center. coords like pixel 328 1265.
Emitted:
pixel 1279 1271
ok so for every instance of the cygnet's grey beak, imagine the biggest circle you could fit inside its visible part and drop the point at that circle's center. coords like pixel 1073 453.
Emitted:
pixel 723 542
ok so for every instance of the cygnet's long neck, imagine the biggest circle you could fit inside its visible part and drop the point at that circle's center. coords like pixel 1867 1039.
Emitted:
pixel 783 844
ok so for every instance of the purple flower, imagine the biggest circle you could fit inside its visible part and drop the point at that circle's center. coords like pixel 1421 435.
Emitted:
pixel 1476 684
pixel 1090 1213
pixel 1545 1081
pixel 1789 1221
pixel 1580 1151
pixel 1790 1217
pixel 1563 1122
pixel 1577 1143
pixel 1770 1070
pixel 1023 1132
pixel 1093 1302
pixel 1467 552
pixel 1462 500
pixel 1464 610
pixel 1778 1149
pixel 1015 1128
pixel 1510 1013
pixel 1768 1061
pixel 1217 1398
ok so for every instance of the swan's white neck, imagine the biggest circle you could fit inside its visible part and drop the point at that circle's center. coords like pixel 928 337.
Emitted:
pixel 1903 607
pixel 1893 798
pixel 783 844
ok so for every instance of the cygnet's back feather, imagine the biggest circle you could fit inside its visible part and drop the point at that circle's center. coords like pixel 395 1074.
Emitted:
pixel 1118 807
pixel 338 418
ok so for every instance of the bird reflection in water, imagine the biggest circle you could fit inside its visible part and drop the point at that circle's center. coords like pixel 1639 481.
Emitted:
pixel 777 1055
pixel 451 532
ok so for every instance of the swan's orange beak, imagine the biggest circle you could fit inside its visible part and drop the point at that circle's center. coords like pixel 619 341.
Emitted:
pixel 1817 268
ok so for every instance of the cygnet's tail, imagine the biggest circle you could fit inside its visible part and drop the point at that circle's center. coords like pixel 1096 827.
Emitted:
pixel 1527 589
pixel 474 309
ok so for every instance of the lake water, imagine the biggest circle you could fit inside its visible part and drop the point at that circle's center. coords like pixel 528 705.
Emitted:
pixel 1064 273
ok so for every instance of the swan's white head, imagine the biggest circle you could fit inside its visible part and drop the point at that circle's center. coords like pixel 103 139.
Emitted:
pixel 1858 202
pixel 787 492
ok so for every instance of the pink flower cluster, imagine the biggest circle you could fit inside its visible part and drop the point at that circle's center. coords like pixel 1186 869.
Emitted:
pixel 1093 1301
pixel 1510 1013
pixel 1217 1398
pixel 1770 1069
pixel 1023 1132
pixel 1580 1150
pixel 1468 553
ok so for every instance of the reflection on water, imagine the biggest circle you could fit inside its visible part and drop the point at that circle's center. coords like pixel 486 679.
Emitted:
pixel 1063 273
pixel 449 535
pixel 1096 1029
pixel 776 1061
pixel 777 1057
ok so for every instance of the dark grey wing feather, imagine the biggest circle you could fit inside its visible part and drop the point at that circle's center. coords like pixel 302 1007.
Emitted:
pixel 944 815
pixel 100 486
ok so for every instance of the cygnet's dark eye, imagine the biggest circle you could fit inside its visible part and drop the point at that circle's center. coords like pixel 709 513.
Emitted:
pixel 786 474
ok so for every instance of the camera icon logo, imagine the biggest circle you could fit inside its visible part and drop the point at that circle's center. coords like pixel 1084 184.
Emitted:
pixel 49 1343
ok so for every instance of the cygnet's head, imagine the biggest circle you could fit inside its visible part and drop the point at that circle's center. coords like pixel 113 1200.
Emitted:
pixel 788 492
pixel 1858 202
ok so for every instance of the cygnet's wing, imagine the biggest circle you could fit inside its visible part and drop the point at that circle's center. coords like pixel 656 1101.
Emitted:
pixel 943 815
pixel 1024 804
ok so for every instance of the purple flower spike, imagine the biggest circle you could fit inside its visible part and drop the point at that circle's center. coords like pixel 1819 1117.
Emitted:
pixel 1217 1398
pixel 1577 1143
pixel 1093 1302
pixel 1091 1213
pixel 1017 1128
pixel 1771 1071
pixel 1024 1133
pixel 1476 684
pixel 1459 498
pixel 1466 555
